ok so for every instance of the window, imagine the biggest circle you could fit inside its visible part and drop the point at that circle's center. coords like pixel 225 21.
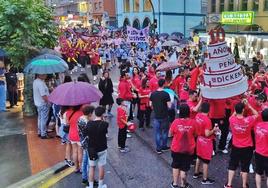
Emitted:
pixel 100 5
pixel 136 6
pixel 245 5
pixel 96 6
pixel 147 5
pixel 126 6
pixel 266 5
pixel 221 5
pixel 256 5
pixel 213 6
pixel 231 5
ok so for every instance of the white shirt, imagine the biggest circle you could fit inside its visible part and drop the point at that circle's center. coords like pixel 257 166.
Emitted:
pixel 40 89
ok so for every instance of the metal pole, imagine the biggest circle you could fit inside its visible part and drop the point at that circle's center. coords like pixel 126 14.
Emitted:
pixel 184 17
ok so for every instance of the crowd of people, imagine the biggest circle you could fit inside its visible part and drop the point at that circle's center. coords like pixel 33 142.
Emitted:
pixel 170 102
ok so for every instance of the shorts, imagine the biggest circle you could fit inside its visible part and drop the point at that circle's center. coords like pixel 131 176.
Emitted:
pixel 240 156
pixel 181 161
pixel 101 161
pixel 76 142
pixel 203 160
pixel 261 164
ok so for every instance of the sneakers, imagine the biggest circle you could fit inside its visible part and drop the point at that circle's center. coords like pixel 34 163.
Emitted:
pixel 129 135
pixel 124 150
pixel 227 186
pixel 207 182
pixel 197 175
pixel 166 148
pixel 159 151
pixel 85 182
pixel 225 151
pixel 173 186
pixel 69 162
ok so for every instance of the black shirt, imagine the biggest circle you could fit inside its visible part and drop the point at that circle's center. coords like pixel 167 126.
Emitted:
pixel 159 100
pixel 96 132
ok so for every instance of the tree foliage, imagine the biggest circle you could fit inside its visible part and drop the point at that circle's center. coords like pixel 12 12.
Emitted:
pixel 25 27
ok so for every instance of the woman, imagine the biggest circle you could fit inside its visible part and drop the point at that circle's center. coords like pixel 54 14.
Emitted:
pixel 145 109
pixel 106 87
pixel 136 85
pixel 73 116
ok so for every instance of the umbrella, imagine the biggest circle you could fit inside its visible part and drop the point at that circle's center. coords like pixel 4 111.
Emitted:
pixel 174 38
pixel 50 51
pixel 164 35
pixel 46 64
pixel 74 93
pixel 170 43
pixel 170 65
pixel 177 34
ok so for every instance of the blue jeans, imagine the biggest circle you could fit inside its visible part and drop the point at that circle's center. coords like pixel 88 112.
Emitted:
pixel 43 112
pixel 85 165
pixel 2 97
pixel 161 132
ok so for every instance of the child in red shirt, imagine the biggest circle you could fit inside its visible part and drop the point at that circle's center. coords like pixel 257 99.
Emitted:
pixel 122 125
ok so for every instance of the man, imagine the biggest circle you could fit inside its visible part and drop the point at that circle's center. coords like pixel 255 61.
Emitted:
pixel 94 60
pixel 153 83
pixel 261 152
pixel 97 146
pixel 2 87
pixel 193 103
pixel 40 95
pixel 242 143
pixel 12 80
pixel 160 101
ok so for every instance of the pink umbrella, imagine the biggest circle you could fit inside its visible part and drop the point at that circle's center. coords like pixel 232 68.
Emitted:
pixel 74 93
pixel 168 66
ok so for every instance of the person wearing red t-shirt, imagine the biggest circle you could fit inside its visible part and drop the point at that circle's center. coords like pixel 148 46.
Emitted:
pixel 153 83
pixel 125 92
pixel 183 131
pixel 136 83
pixel 261 152
pixel 94 61
pixel 72 117
pixel 145 109
pixel 204 144
pixel 122 125
pixel 242 142
pixel 193 103
pixel 218 116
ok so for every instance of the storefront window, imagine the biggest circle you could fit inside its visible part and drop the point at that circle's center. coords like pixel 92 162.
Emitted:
pixel 213 6
pixel 136 5
pixel 126 6
pixel 231 5
pixel 147 5
pixel 221 5
pixel 245 5
pixel 266 5
pixel 256 5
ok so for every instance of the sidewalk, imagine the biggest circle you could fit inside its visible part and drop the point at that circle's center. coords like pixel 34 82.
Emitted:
pixel 23 153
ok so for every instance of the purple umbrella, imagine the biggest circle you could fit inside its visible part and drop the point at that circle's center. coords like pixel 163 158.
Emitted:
pixel 74 93
pixel 170 65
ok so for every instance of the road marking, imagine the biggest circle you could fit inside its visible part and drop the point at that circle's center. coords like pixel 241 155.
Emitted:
pixel 56 178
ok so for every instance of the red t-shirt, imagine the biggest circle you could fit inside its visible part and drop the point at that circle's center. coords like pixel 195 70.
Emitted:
pixel 241 130
pixel 261 138
pixel 124 89
pixel 144 101
pixel 121 114
pixel 94 60
pixel 153 84
pixel 217 108
pixel 203 123
pixel 73 131
pixel 136 81
pixel 192 104
pixel 183 131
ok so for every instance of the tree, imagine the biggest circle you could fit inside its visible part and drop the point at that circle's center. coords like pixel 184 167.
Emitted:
pixel 26 26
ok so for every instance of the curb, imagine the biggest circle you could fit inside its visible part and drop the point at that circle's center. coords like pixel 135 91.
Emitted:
pixel 35 180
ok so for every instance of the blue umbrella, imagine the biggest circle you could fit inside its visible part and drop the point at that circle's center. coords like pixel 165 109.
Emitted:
pixel 46 64
pixel 2 53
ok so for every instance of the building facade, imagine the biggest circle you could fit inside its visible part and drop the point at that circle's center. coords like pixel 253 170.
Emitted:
pixel 260 8
pixel 85 12
pixel 171 15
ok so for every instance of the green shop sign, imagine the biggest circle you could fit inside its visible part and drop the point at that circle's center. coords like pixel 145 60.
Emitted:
pixel 237 18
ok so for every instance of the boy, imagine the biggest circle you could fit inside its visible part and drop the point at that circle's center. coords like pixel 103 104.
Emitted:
pixel 122 125
pixel 82 124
